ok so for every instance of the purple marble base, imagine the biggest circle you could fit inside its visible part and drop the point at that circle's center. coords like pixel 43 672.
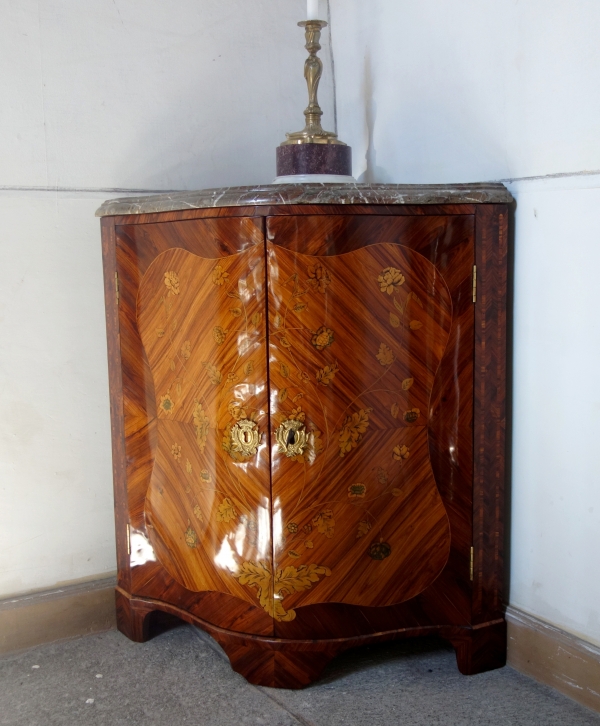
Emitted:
pixel 314 159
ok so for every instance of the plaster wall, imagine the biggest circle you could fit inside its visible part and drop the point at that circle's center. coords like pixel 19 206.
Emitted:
pixel 101 96
pixel 487 90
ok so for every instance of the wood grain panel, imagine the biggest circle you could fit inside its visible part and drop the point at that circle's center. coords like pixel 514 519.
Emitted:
pixel 490 408
pixel 137 249
pixel 355 342
pixel 448 244
pixel 202 325
pixel 115 379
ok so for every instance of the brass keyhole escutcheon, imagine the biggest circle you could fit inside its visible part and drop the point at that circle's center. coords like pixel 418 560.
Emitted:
pixel 245 438
pixel 292 438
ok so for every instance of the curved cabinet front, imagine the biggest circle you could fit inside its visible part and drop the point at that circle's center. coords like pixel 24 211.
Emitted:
pixel 202 326
pixel 355 343
pixel 192 314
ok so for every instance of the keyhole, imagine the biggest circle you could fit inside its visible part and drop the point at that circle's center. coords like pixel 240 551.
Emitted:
pixel 246 437
pixel 291 437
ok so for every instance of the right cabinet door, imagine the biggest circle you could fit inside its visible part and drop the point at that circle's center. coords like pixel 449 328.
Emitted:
pixel 371 387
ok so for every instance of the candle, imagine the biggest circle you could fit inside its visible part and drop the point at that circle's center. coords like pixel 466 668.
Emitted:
pixel 312 12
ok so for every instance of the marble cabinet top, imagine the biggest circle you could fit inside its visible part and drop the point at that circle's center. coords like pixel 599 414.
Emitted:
pixel 273 194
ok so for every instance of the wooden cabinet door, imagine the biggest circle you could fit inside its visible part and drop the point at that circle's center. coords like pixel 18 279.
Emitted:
pixel 193 347
pixel 371 378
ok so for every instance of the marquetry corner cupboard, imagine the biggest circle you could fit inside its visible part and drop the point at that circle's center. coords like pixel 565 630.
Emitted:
pixel 308 416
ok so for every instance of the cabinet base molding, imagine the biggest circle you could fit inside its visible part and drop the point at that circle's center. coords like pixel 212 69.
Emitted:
pixel 279 663
pixel 553 657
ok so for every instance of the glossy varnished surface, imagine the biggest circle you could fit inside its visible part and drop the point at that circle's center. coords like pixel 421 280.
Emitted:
pixel 191 505
pixel 445 247
pixel 202 326
pixel 355 343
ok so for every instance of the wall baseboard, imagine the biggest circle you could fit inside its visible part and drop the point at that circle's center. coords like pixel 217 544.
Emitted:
pixel 66 612
pixel 554 657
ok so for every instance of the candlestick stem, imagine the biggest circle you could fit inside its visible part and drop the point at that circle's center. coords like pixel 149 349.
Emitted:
pixel 313 132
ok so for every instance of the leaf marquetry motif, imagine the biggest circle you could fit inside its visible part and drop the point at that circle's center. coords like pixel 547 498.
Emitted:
pixel 287 581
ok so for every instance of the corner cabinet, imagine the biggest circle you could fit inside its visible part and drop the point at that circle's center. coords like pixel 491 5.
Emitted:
pixel 308 416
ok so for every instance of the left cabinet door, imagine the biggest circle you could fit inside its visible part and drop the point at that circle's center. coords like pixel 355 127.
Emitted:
pixel 196 474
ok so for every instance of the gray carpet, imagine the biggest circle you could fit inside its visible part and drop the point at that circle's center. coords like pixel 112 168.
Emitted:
pixel 181 677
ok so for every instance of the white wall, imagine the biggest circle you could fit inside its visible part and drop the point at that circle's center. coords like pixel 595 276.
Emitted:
pixel 102 95
pixel 556 456
pixel 480 90
pixel 196 93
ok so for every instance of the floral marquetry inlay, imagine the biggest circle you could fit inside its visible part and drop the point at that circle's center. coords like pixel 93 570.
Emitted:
pixel 172 282
pixel 349 375
pixel 357 491
pixel 166 404
pixel 319 277
pixel 219 335
pixel 191 538
pixel 219 276
pixel 353 429
pixel 207 365
pixel 385 355
pixel 286 581
pixel 326 375
pixel 201 425
pixel 350 337
pixel 226 511
pixel 323 338
pixel 390 280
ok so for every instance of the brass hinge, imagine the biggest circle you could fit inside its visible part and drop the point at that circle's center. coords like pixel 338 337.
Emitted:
pixel 471 566
pixel 117 286
pixel 129 542
pixel 474 283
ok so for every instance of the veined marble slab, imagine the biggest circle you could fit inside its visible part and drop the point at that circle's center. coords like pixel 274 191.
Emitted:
pixel 272 194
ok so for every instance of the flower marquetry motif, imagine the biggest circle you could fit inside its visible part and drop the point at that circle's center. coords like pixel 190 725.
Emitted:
pixel 219 276
pixel 357 491
pixel 390 280
pixel 219 335
pixel 191 538
pixel 385 355
pixel 319 277
pixel 166 404
pixel 172 282
pixel 380 550
pixel 325 523
pixel 323 338
pixel 401 452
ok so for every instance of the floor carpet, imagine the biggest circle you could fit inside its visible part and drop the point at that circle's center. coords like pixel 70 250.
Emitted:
pixel 182 677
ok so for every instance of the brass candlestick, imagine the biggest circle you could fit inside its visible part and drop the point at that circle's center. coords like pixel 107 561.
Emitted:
pixel 313 132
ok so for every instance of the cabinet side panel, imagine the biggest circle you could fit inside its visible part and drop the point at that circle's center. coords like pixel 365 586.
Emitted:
pixel 116 399
pixel 489 411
